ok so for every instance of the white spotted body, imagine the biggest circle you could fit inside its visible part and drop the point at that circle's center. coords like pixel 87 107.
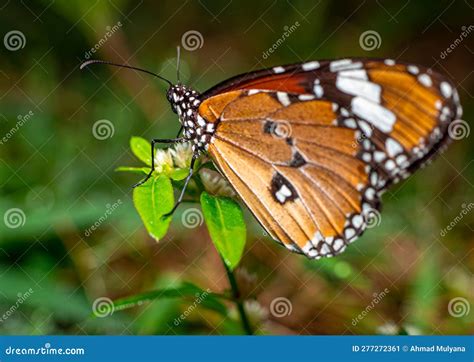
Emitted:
pixel 185 103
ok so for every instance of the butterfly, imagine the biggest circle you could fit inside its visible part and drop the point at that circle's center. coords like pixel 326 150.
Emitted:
pixel 311 147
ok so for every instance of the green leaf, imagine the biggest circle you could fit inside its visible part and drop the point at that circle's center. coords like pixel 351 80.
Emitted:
pixel 186 290
pixel 152 200
pixel 142 149
pixel 179 174
pixel 139 170
pixel 226 226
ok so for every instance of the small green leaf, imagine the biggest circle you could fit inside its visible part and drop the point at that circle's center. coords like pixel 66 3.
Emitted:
pixel 179 174
pixel 226 226
pixel 152 200
pixel 186 290
pixel 139 170
pixel 142 149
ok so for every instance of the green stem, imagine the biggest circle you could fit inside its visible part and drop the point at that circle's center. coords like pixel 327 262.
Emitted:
pixel 236 298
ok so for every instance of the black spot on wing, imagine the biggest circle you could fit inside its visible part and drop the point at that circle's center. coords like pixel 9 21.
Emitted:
pixel 297 160
pixel 282 190
pixel 269 127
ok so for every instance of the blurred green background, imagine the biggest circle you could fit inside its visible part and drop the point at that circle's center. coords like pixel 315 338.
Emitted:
pixel 57 174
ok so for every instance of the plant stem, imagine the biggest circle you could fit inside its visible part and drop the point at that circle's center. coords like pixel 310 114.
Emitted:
pixel 236 298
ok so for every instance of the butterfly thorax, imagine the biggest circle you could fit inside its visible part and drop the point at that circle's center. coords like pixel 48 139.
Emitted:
pixel 185 103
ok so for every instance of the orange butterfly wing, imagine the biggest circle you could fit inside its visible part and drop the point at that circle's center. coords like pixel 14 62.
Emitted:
pixel 309 147
pixel 295 169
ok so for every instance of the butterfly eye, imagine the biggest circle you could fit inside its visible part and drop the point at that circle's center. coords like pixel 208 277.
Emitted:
pixel 169 97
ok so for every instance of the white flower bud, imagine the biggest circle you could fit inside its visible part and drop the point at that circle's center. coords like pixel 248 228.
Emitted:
pixel 163 160
pixel 182 154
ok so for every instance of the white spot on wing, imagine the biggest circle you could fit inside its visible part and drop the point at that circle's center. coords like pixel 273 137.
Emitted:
pixel 351 123
pixel 349 233
pixel 357 87
pixel 317 238
pixel 379 116
pixel 413 69
pixel 364 126
pixel 278 70
pixel 338 244
pixel 325 250
pixel 283 98
pixel 318 90
pixel 343 64
pixel 305 97
pixel 370 193
pixel 310 65
pixel 425 79
pixel 357 221
pixel 283 193
pixel 402 161
pixel 446 89
pixel 393 147
pixel 357 73
pixel 390 165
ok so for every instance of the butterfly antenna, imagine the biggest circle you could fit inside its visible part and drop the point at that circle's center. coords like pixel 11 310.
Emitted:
pixel 95 61
pixel 178 61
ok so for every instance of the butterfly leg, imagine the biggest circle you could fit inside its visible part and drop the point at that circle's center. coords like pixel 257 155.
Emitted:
pixel 153 143
pixel 186 181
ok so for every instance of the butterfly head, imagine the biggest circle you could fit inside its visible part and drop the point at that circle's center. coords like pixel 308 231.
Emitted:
pixel 183 100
